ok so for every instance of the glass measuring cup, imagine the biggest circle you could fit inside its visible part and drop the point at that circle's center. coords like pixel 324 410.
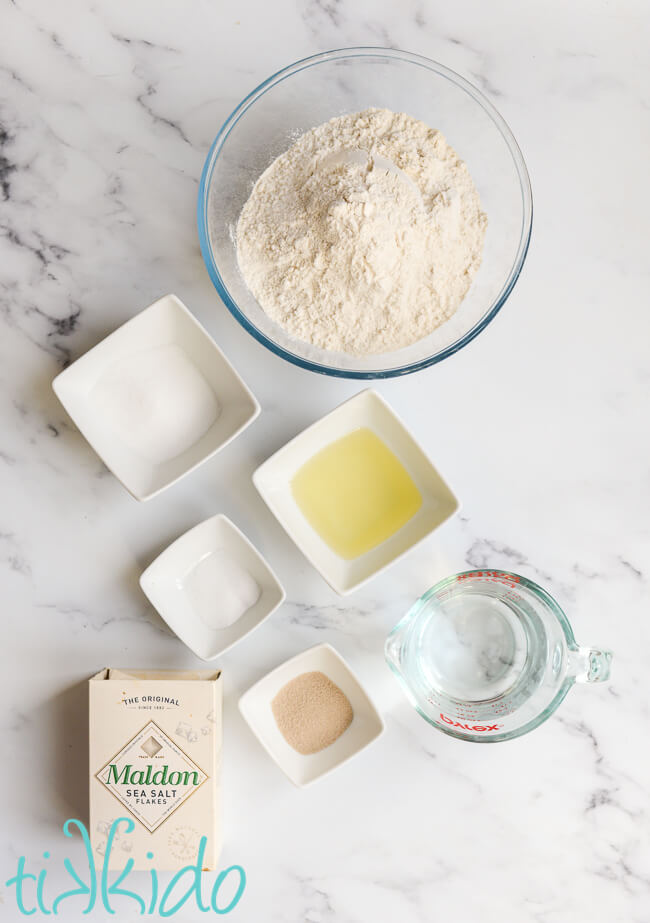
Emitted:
pixel 487 656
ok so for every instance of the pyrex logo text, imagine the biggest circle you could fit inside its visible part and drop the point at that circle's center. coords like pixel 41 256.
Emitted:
pixel 470 727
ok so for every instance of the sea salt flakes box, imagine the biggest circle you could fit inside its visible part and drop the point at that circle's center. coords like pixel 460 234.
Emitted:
pixel 155 755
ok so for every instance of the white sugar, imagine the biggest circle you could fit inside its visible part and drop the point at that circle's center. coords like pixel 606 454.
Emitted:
pixel 156 402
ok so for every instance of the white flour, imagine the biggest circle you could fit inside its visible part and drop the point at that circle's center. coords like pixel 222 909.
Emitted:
pixel 359 255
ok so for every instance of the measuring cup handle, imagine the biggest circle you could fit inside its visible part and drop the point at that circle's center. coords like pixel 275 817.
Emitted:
pixel 589 665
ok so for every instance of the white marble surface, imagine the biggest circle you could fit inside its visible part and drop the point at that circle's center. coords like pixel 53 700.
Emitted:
pixel 106 113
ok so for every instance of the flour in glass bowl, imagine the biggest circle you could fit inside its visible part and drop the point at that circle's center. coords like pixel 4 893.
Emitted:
pixel 364 236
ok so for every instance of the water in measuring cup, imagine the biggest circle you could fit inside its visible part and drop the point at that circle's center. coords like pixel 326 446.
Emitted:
pixel 479 649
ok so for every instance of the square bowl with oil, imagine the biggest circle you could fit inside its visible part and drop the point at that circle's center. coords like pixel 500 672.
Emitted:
pixel 156 398
pixel 256 707
pixel 355 491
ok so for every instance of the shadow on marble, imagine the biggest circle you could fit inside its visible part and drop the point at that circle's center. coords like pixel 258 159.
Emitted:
pixel 131 580
pixel 38 401
pixel 67 722
pixel 249 512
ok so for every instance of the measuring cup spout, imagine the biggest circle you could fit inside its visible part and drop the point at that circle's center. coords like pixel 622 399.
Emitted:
pixel 589 665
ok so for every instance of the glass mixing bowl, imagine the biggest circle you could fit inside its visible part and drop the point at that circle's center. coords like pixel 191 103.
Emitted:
pixel 316 89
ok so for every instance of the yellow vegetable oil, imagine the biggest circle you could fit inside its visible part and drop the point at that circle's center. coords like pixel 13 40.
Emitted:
pixel 355 493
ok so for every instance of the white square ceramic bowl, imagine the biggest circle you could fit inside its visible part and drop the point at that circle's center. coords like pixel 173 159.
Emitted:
pixel 366 409
pixel 166 583
pixel 156 398
pixel 255 706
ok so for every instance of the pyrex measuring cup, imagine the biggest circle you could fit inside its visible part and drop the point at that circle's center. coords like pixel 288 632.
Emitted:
pixel 487 656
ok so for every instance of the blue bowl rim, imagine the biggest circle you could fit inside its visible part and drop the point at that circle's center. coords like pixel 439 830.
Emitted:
pixel 339 54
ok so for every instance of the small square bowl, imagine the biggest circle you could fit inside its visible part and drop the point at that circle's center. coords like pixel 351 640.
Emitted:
pixel 255 707
pixel 179 600
pixel 156 398
pixel 366 409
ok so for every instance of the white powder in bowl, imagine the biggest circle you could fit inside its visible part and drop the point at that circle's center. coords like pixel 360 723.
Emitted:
pixel 220 589
pixel 364 236
pixel 156 402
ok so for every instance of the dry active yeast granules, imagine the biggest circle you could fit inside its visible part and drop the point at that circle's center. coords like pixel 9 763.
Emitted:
pixel 364 236
pixel 311 712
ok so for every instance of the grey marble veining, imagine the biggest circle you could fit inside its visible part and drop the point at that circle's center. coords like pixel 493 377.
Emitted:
pixel 106 113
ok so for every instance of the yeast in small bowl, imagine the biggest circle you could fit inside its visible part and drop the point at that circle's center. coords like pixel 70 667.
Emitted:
pixel 275 480
pixel 256 708
pixel 183 584
pixel 156 398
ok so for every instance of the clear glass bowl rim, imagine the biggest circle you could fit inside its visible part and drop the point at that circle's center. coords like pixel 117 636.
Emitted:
pixel 339 54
